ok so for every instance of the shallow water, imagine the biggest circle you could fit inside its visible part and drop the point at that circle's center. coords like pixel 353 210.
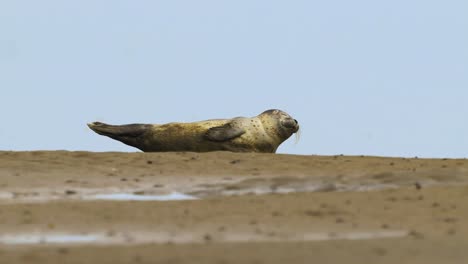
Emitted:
pixel 208 188
pixel 174 196
pixel 89 195
pixel 27 239
pixel 182 238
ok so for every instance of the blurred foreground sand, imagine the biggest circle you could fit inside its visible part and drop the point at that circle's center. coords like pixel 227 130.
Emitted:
pixel 253 208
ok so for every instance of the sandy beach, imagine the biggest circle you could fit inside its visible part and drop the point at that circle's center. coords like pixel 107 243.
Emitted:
pixel 233 208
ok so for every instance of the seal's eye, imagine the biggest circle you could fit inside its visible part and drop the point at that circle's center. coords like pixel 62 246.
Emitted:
pixel 295 121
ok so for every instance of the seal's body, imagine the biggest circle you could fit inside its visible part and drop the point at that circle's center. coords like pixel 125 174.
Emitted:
pixel 262 133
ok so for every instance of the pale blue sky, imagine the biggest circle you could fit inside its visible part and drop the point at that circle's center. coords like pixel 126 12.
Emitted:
pixel 362 77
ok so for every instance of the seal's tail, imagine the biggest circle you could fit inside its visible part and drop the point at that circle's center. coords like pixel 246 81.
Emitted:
pixel 128 134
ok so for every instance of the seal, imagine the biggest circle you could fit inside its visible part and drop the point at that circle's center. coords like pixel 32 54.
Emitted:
pixel 262 133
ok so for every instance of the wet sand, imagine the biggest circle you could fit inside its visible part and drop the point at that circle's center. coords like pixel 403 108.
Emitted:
pixel 251 208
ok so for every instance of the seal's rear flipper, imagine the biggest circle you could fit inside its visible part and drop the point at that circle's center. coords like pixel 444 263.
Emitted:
pixel 128 134
pixel 132 130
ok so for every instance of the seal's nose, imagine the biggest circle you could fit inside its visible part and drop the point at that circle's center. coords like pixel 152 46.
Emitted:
pixel 290 123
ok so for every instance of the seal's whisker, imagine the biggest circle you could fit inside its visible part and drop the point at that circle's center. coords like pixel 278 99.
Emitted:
pixel 297 136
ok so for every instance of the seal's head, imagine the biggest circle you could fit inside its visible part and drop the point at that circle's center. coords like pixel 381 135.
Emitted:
pixel 279 122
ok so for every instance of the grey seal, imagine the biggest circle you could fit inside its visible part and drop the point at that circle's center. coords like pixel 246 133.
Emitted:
pixel 261 133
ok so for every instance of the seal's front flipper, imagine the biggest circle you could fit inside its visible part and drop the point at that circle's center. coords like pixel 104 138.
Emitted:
pixel 224 133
